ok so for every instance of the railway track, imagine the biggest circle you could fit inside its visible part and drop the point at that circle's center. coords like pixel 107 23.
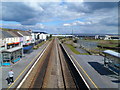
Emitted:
pixel 53 70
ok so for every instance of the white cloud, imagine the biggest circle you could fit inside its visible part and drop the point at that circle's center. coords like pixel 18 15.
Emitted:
pixel 66 24
pixel 81 23
pixel 77 23
pixel 23 27
pixel 94 15
pixel 34 5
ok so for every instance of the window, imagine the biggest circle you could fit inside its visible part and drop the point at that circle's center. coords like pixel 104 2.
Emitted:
pixel 6 57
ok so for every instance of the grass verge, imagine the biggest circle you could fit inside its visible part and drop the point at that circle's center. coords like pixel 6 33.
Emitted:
pixel 37 46
pixel 73 49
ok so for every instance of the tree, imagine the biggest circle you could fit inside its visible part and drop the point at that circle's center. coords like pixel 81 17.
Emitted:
pixel 50 35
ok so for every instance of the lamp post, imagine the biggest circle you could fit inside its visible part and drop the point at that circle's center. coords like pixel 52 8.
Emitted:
pixel 72 32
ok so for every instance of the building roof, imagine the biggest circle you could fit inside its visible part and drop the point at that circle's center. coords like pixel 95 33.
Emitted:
pixel 39 32
pixel 6 34
pixel 25 33
pixel 12 49
pixel 14 33
pixel 112 53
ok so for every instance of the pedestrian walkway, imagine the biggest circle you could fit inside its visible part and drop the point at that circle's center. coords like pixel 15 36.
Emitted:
pixel 0 78
pixel 21 67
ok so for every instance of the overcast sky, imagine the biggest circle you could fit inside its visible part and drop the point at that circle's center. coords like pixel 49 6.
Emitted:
pixel 61 17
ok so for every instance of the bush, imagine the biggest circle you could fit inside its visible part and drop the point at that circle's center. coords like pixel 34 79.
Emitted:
pixel 75 41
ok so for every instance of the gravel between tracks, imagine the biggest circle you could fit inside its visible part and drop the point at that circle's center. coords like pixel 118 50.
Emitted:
pixel 51 71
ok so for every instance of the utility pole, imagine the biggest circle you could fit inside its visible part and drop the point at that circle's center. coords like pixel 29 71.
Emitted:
pixel 72 32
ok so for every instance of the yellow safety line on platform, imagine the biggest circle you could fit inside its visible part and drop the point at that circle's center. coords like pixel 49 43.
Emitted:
pixel 24 70
pixel 86 73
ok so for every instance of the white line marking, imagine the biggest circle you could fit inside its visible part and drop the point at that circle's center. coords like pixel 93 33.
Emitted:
pixel 77 69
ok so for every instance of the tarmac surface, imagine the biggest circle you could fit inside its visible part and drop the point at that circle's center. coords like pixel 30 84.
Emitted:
pixel 81 50
pixel 20 68
pixel 93 70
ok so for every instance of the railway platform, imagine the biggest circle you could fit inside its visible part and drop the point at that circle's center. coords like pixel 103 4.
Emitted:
pixel 20 68
pixel 93 70
pixel 59 67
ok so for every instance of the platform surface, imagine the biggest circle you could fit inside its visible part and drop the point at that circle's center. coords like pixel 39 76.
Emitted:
pixel 94 72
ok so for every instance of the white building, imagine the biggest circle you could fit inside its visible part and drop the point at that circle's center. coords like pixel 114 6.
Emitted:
pixel 108 37
pixel 43 36
pixel 33 37
pixel 27 37
pixel 63 35
pixel 11 50
pixel 96 36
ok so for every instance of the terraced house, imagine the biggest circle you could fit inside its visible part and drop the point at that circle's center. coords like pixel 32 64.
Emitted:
pixel 11 46
pixel 27 41
pixel 15 43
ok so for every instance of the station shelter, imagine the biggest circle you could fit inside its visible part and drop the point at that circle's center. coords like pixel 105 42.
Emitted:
pixel 12 45
pixel 112 60
pixel 11 56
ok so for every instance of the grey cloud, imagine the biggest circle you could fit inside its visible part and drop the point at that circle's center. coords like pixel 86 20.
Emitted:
pixel 29 13
pixel 100 5
pixel 104 16
pixel 16 11
pixel 110 21
pixel 23 27
pixel 25 13
pixel 90 7
pixel 78 7
pixel 99 14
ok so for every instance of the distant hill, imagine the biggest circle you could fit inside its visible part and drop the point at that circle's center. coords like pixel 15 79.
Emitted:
pixel 7 29
pixel 83 34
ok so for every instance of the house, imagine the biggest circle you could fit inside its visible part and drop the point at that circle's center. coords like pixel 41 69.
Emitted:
pixel 12 51
pixel 41 36
pixel 112 37
pixel 14 43
pixel 8 40
pixel 17 38
pixel 35 38
pixel 27 41
pixel 1 44
pixel 27 37
pixel 99 36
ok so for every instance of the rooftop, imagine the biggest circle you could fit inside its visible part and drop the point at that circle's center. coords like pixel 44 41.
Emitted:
pixel 39 32
pixel 113 53
pixel 12 49
pixel 25 33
